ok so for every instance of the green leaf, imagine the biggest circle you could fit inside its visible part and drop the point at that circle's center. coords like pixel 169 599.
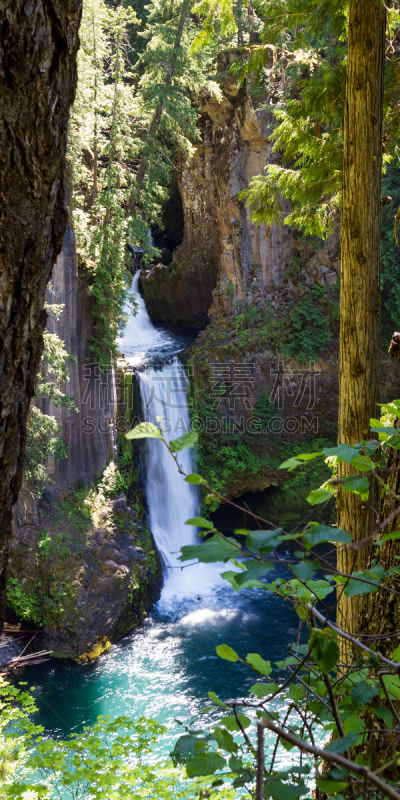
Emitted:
pixel 396 654
pixel 331 787
pixel 231 577
pixel 388 536
pixel 225 740
pixel 263 689
pixel 392 684
pixel 216 699
pixel 305 570
pixel 324 533
pixel 325 649
pixel 344 452
pixel 254 569
pixel 343 744
pixel 318 496
pixel 145 430
pixel 184 442
pixel 226 652
pixel 195 479
pixel 264 667
pixel 291 464
pixel 362 463
pixel 376 422
pixel 386 715
pixel 184 747
pixel 358 587
pixel 260 542
pixel 235 764
pixel 204 764
pixel 282 791
pixel 309 456
pixel 200 522
pixel 215 549
pixel 362 693
pixel 386 429
pixel 353 724
pixel 231 724
pixel 356 484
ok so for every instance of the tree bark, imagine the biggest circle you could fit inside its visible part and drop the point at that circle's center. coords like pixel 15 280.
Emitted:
pixel 360 268
pixel 38 47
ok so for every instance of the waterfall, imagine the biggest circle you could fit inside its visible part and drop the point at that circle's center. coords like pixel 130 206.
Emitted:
pixel 140 337
pixel 171 501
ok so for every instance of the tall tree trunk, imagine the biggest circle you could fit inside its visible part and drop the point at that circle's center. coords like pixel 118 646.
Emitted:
pixel 360 267
pixel 38 46
pixel 160 108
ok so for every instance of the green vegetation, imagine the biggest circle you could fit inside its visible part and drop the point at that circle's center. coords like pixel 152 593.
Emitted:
pixel 43 430
pixel 300 330
pixel 311 695
pixel 308 107
pixel 132 118
pixel 107 760
pixel 390 274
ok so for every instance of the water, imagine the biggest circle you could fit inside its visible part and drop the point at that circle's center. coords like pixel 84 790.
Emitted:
pixel 166 668
pixel 144 344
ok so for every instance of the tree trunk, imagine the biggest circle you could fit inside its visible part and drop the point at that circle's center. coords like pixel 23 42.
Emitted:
pixel 38 46
pixel 360 267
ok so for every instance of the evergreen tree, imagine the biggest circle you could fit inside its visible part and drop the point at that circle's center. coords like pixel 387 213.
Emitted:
pixel 172 73
pixel 127 129
pixel 103 143
pixel 307 97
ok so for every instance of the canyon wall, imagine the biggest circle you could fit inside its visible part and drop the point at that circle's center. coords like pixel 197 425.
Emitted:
pixel 89 434
pixel 266 366
pixel 224 258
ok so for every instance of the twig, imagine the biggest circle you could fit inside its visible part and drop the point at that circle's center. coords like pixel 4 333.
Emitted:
pixel 260 762
pixel 341 632
pixel 335 758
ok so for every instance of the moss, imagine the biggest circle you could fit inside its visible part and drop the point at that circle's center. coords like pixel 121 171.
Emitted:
pixel 101 646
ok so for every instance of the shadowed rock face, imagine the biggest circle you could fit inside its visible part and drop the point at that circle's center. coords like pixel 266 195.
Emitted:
pixel 90 434
pixel 38 46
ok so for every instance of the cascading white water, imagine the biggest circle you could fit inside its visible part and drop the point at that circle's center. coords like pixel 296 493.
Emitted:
pixel 171 501
pixel 140 336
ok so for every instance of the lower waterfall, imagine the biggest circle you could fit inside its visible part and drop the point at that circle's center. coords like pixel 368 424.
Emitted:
pixel 171 501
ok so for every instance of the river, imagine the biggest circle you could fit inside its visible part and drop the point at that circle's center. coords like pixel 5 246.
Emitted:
pixel 167 666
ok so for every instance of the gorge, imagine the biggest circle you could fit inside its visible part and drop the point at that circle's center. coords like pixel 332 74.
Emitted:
pixel 204 546
pixel 166 668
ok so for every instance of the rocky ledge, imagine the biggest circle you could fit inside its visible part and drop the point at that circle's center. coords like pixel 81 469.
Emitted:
pixel 85 585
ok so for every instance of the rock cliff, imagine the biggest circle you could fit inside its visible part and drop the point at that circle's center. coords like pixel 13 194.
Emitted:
pixel 90 434
pixel 224 258
pixel 266 366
